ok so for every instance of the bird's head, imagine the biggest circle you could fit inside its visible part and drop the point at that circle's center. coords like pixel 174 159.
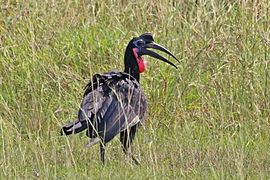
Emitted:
pixel 139 46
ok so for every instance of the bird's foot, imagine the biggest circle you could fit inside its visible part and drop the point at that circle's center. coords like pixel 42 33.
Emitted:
pixel 130 157
pixel 135 160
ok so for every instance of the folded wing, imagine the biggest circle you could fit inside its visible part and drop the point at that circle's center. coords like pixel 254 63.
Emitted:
pixel 112 103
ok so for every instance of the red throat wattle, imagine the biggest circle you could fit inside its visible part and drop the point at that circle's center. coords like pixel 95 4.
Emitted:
pixel 140 60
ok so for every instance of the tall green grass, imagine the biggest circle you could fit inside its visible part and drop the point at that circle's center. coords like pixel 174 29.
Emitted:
pixel 207 119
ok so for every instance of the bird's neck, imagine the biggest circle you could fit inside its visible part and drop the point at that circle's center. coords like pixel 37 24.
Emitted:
pixel 131 66
pixel 133 73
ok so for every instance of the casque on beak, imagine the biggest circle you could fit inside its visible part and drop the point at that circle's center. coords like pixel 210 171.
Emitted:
pixel 144 51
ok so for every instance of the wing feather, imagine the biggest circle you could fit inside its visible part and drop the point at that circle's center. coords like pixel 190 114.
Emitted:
pixel 113 103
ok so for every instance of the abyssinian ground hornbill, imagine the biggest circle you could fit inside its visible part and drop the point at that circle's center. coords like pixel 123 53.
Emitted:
pixel 114 102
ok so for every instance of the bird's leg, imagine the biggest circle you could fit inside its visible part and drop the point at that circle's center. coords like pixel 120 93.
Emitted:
pixel 102 152
pixel 126 138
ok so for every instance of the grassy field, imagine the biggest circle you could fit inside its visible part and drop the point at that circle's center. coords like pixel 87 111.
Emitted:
pixel 208 119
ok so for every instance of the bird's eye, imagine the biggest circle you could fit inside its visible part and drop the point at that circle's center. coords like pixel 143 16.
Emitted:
pixel 140 43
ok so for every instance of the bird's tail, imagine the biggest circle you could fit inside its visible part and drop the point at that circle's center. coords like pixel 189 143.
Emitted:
pixel 74 127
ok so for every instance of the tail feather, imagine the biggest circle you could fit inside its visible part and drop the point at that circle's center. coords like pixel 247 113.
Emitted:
pixel 74 127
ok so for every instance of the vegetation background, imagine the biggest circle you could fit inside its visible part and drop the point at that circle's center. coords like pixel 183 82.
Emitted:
pixel 208 119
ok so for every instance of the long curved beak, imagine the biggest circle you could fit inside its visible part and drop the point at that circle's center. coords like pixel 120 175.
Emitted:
pixel 144 51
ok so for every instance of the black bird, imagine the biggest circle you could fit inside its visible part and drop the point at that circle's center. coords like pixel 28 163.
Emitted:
pixel 114 102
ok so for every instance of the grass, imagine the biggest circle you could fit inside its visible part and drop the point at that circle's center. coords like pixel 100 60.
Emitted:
pixel 209 119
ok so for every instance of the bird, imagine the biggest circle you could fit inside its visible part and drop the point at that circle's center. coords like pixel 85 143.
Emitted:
pixel 114 102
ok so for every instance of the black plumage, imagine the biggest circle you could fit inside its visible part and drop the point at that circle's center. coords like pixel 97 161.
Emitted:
pixel 114 102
